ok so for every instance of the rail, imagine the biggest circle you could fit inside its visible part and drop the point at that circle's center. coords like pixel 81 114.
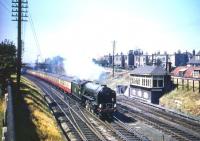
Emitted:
pixel 8 127
pixel 84 130
pixel 125 126
pixel 160 107
pixel 166 126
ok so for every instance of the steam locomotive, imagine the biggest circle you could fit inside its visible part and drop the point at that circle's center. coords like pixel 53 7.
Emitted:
pixel 98 99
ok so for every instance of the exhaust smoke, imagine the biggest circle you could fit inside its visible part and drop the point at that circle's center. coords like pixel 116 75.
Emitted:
pixel 84 68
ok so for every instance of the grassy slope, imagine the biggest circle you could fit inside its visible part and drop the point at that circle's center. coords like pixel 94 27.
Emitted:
pixel 182 100
pixel 34 121
pixel 2 106
pixel 121 78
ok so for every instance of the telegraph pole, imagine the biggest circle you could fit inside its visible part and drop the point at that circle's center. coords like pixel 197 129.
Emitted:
pixel 19 12
pixel 113 62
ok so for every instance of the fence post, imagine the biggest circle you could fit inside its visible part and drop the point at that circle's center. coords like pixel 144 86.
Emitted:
pixel 193 85
pixel 0 89
pixel 199 86
pixel 177 83
pixel 182 84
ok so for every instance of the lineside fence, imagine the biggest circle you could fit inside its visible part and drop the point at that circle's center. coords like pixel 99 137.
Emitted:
pixel 187 83
pixel 8 132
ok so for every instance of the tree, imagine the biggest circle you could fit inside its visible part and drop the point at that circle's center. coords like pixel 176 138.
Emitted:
pixel 7 60
pixel 55 65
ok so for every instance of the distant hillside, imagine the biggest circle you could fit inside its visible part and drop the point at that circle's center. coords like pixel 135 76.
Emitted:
pixel 182 100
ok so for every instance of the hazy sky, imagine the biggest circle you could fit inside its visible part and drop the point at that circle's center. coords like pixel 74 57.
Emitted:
pixel 88 27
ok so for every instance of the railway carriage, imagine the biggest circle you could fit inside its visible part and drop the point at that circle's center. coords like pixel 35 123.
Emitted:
pixel 65 83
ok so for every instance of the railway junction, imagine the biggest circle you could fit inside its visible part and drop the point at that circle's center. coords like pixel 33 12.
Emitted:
pixel 135 119
pixel 44 97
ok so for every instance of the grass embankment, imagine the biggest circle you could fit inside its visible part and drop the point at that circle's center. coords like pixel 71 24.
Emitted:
pixel 2 107
pixel 182 100
pixel 34 121
pixel 121 78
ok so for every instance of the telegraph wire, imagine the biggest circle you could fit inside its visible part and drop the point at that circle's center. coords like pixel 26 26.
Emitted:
pixel 34 34
pixel 4 6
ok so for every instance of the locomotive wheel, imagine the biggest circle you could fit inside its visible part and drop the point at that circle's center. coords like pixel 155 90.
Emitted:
pixel 87 105
pixel 100 115
pixel 92 110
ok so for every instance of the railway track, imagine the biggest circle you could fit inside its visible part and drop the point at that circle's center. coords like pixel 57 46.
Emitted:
pixel 93 120
pixel 126 132
pixel 83 128
pixel 85 131
pixel 117 129
pixel 84 124
pixel 192 125
pixel 161 124
pixel 120 129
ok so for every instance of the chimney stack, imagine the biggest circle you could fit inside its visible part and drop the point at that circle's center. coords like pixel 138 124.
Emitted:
pixel 193 52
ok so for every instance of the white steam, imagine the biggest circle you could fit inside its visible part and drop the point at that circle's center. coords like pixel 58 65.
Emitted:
pixel 78 62
pixel 83 68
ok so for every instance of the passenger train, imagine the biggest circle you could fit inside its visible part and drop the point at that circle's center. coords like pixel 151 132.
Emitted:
pixel 98 99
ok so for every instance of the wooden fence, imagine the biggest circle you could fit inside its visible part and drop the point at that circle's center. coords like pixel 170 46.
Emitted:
pixel 186 83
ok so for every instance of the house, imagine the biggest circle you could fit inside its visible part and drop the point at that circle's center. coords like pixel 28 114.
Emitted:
pixel 120 60
pixel 195 61
pixel 186 72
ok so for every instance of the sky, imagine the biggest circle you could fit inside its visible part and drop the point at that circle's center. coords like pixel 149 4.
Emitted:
pixel 87 28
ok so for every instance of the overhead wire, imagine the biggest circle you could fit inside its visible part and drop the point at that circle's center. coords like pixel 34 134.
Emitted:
pixel 34 34
pixel 5 7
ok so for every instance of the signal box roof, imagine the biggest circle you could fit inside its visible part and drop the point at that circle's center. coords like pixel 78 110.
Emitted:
pixel 149 70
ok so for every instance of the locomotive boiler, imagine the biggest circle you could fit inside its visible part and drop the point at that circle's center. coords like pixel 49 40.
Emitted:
pixel 95 97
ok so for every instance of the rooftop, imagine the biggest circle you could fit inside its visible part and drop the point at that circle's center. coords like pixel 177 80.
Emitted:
pixel 198 54
pixel 149 70
pixel 194 60
pixel 186 71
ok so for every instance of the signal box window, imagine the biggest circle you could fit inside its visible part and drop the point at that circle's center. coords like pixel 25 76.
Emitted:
pixel 160 83
pixel 154 83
